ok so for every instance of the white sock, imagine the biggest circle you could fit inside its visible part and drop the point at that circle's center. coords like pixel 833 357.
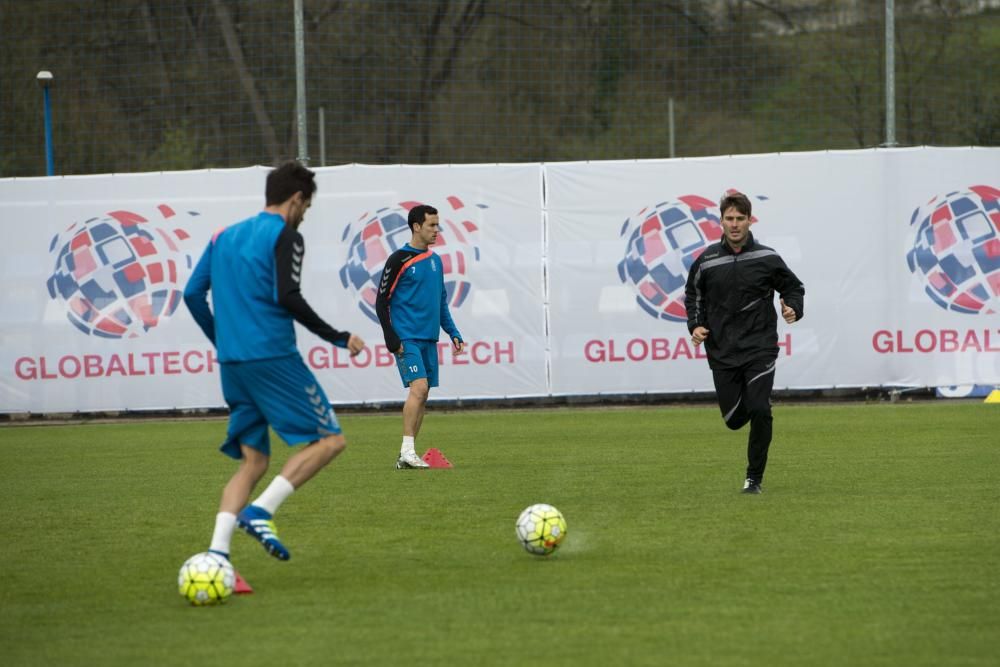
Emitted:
pixel 276 493
pixel 407 446
pixel 225 524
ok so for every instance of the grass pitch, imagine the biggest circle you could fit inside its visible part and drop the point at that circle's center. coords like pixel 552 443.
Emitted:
pixel 876 542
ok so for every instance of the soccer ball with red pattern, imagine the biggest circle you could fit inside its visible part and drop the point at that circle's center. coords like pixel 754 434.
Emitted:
pixel 541 528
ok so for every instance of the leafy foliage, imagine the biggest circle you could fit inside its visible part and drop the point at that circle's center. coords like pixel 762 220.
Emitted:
pixel 157 84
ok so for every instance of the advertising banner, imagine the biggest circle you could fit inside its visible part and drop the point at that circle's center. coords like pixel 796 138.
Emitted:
pixel 899 252
pixel 563 278
pixel 94 270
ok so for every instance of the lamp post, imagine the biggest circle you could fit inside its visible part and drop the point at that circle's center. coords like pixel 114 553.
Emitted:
pixel 45 81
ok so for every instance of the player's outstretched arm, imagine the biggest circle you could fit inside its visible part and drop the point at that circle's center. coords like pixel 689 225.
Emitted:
pixel 196 294
pixel 355 344
pixel 288 255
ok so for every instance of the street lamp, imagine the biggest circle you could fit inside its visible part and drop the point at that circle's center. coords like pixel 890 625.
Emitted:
pixel 45 81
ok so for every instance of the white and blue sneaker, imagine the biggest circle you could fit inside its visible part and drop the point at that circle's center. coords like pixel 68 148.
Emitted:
pixel 258 524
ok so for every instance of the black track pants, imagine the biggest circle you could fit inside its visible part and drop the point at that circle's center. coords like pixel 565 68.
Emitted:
pixel 744 395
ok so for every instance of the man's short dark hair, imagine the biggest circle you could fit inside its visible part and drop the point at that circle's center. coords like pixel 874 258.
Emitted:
pixel 418 214
pixel 737 200
pixel 284 181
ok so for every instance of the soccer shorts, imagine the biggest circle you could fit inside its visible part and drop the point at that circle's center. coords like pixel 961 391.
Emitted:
pixel 281 393
pixel 419 360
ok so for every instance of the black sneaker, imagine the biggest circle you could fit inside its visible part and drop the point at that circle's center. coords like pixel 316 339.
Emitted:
pixel 751 486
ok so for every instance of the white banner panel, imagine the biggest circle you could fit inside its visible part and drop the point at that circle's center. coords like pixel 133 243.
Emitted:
pixel 94 267
pixel 941 322
pixel 899 251
pixel 491 249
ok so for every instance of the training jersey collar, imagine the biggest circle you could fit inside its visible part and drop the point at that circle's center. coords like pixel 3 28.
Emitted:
pixel 728 249
pixel 269 214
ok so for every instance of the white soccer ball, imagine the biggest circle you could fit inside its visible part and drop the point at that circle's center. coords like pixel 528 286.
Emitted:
pixel 206 578
pixel 541 529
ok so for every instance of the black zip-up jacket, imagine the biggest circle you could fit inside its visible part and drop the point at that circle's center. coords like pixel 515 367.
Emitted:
pixel 732 295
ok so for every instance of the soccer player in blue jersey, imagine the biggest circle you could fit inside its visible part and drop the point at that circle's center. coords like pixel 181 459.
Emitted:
pixel 412 308
pixel 253 270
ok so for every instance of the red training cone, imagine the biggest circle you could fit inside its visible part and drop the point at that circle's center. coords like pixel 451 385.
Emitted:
pixel 435 459
pixel 241 587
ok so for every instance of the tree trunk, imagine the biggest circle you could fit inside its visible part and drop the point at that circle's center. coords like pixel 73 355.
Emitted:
pixel 246 80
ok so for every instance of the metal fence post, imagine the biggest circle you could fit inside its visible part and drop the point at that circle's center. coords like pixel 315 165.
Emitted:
pixel 670 125
pixel 322 137
pixel 300 84
pixel 890 73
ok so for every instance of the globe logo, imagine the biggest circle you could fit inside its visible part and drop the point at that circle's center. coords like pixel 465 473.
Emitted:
pixel 956 250
pixel 380 234
pixel 663 242
pixel 120 275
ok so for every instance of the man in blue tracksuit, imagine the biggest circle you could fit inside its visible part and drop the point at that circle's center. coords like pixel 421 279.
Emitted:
pixel 412 307
pixel 253 270
pixel 730 307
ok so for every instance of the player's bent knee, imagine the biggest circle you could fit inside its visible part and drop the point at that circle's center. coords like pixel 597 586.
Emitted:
pixel 737 420
pixel 258 467
pixel 419 390
pixel 332 444
pixel 253 462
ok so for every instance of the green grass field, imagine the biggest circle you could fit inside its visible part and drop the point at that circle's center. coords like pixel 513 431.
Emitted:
pixel 876 542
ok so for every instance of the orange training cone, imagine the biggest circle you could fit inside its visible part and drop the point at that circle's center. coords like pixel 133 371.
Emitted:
pixel 435 459
pixel 241 587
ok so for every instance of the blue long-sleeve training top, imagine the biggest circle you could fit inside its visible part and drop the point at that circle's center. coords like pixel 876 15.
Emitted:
pixel 253 270
pixel 412 303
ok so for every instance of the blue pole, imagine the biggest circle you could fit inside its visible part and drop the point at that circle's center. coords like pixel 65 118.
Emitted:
pixel 50 168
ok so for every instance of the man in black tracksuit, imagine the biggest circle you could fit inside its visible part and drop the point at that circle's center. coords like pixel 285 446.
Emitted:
pixel 730 307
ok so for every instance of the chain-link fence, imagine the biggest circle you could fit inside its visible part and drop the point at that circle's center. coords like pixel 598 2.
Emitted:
pixel 180 84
